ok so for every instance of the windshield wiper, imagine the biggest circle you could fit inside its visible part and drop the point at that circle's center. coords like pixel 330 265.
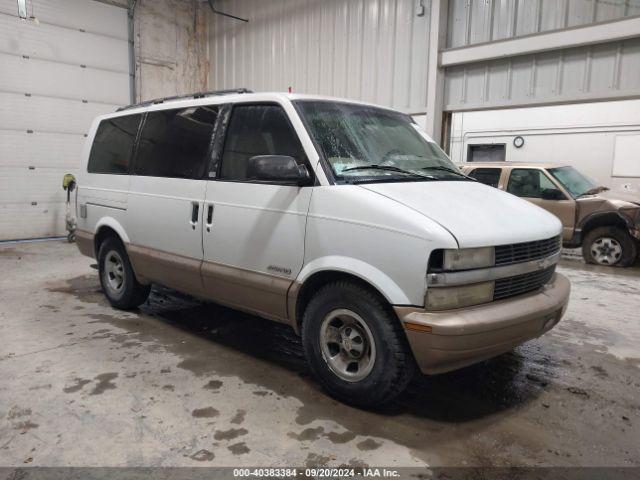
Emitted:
pixel 388 168
pixel 449 170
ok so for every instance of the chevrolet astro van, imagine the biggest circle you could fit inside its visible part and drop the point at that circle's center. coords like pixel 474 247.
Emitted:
pixel 341 219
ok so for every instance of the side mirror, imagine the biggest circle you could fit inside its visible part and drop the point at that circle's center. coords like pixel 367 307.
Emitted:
pixel 277 168
pixel 552 194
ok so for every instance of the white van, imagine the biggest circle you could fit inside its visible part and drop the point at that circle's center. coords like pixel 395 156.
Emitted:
pixel 341 219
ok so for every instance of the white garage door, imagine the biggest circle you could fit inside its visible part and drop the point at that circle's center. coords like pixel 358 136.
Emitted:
pixel 59 68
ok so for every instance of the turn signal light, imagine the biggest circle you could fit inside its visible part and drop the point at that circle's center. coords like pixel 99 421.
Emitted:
pixel 417 327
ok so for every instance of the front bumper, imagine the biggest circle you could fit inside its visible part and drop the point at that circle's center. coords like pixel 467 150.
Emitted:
pixel 461 337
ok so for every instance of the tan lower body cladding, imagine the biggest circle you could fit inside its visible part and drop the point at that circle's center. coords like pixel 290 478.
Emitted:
pixel 260 293
pixel 84 240
pixel 175 271
pixel 254 292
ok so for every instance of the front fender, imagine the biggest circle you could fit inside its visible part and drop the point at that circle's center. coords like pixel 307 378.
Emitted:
pixel 368 273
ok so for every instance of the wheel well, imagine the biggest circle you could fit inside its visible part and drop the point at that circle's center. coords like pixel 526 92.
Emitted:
pixel 611 219
pixel 318 280
pixel 101 235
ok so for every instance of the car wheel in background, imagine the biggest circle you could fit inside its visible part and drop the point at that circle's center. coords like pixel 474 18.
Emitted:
pixel 610 246
pixel 118 281
pixel 355 346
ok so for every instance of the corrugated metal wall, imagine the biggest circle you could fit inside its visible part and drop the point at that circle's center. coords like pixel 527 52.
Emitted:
pixel 609 70
pixel 372 50
pixel 476 21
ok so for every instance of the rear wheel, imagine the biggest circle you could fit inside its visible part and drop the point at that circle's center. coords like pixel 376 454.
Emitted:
pixel 118 281
pixel 611 246
pixel 355 346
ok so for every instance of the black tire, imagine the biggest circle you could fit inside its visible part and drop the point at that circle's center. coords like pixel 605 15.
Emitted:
pixel 131 293
pixel 393 364
pixel 626 242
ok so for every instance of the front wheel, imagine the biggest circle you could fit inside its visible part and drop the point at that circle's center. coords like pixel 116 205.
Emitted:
pixel 609 246
pixel 118 281
pixel 355 346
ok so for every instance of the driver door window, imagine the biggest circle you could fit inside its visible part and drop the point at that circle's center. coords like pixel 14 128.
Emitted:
pixel 531 183
pixel 257 130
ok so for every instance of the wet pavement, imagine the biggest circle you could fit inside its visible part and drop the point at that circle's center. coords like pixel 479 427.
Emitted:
pixel 186 383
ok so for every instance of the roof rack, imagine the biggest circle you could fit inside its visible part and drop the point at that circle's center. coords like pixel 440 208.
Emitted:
pixel 212 93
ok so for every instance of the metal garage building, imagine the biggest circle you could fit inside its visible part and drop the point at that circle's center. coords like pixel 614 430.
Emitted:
pixel 62 65
pixel 442 59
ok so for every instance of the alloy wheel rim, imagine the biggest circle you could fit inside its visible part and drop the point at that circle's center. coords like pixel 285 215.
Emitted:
pixel 114 271
pixel 606 251
pixel 347 345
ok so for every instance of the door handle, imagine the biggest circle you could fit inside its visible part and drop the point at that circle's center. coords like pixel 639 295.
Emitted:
pixel 209 217
pixel 195 210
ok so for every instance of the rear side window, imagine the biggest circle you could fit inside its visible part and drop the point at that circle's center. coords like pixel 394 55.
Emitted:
pixel 113 144
pixel 257 130
pixel 488 176
pixel 176 143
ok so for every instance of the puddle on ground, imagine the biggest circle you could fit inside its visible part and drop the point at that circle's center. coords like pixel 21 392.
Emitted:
pixel 206 412
pixel 230 434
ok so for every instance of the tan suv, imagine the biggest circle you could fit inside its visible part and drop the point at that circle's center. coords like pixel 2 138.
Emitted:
pixel 605 224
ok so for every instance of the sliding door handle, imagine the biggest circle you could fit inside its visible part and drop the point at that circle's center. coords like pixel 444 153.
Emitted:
pixel 195 210
pixel 209 217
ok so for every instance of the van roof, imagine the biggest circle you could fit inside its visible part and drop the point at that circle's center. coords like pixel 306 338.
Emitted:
pixel 223 96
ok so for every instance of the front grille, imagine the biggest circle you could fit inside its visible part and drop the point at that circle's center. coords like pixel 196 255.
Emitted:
pixel 523 252
pixel 528 282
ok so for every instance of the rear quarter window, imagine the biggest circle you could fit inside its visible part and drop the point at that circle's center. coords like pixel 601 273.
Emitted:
pixel 176 143
pixel 488 176
pixel 113 145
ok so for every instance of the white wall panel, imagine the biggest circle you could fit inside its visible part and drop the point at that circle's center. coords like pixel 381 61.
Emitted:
pixel 625 159
pixel 601 139
pixel 22 221
pixel 41 185
pixel 21 75
pixel 59 44
pixel 47 150
pixel 94 17
pixel 372 50
pixel 60 68
pixel 46 114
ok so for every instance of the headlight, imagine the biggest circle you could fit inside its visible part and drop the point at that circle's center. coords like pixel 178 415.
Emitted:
pixel 443 298
pixel 468 258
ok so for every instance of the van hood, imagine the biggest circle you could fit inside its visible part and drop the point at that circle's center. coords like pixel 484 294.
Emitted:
pixel 475 214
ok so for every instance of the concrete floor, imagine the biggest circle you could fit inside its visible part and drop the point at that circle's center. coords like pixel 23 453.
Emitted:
pixel 181 383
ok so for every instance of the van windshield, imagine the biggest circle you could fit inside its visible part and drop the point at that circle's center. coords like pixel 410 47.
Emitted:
pixel 369 144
